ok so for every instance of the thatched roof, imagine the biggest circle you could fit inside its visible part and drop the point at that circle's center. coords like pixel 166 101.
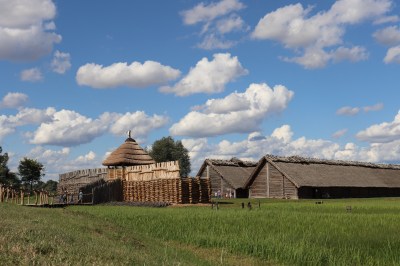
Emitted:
pixel 332 173
pixel 234 171
pixel 128 154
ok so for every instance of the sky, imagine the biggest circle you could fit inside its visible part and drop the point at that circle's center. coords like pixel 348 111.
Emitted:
pixel 229 78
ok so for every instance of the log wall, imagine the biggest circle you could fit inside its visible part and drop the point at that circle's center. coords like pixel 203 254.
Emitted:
pixel 259 187
pixel 174 190
pixel 270 183
pixel 73 181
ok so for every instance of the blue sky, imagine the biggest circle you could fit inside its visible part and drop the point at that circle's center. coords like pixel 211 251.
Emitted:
pixel 228 78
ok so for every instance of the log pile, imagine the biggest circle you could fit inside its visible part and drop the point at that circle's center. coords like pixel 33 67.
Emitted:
pixel 176 190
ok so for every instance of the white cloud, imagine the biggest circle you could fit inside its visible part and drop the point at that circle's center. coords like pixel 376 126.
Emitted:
pixel 69 128
pixel 387 19
pixel 31 75
pixel 58 161
pixel 135 75
pixel 347 110
pixel 382 133
pixel 139 122
pixel 393 55
pixel 218 19
pixel 61 62
pixel 13 100
pixel 231 23
pixel 353 54
pixel 373 108
pixel 284 133
pixel 256 146
pixel 388 36
pixel 213 41
pixel 208 76
pixel 205 13
pixel 24 29
pixel 340 133
pixel 25 116
pixel 222 116
pixel 313 36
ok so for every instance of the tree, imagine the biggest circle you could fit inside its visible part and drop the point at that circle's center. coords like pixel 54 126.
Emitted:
pixel 6 176
pixel 167 149
pixel 3 166
pixel 31 171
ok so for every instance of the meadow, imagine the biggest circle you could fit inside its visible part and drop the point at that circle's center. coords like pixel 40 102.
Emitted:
pixel 276 233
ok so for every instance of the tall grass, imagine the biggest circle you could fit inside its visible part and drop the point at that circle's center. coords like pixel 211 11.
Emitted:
pixel 300 233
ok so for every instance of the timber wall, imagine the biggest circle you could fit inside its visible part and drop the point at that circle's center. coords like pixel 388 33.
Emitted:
pixel 270 183
pixel 73 181
pixel 160 182
pixel 174 190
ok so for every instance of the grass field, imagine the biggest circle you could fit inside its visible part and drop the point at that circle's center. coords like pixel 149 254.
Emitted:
pixel 278 233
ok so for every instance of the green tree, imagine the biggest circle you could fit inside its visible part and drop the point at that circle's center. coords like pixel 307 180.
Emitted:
pixel 3 166
pixel 167 149
pixel 6 176
pixel 31 171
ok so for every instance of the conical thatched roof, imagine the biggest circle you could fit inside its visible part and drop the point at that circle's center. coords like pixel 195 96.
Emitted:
pixel 128 154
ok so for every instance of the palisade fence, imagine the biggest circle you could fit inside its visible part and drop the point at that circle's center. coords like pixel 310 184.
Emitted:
pixel 23 196
pixel 160 182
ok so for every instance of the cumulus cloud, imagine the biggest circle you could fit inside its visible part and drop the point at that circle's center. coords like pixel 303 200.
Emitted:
pixel 205 13
pixel 218 20
pixel 25 29
pixel 61 62
pixel 31 75
pixel 318 36
pixel 135 75
pixel 13 100
pixel 69 128
pixel 139 122
pixel 208 76
pixel 382 133
pixel 58 161
pixel 388 36
pixel 223 116
pixel 25 116
pixel 281 142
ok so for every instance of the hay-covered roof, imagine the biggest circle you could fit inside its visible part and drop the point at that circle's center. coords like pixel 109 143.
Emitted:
pixel 234 171
pixel 332 173
pixel 128 154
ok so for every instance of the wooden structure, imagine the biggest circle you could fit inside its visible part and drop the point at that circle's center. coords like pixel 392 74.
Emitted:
pixel 132 172
pixel 71 182
pixel 22 197
pixel 227 177
pixel 161 182
pixel 297 177
pixel 128 154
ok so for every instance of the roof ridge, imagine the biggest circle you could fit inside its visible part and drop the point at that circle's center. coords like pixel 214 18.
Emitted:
pixel 309 160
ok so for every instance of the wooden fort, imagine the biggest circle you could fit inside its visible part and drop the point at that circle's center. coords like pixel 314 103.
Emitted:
pixel 133 176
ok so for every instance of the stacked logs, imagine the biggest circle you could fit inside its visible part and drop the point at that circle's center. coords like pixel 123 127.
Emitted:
pixel 177 190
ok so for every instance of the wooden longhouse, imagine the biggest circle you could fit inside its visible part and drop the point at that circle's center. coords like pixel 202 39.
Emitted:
pixel 227 177
pixel 297 177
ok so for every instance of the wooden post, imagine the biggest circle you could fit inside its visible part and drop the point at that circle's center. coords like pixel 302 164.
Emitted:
pixel 22 197
pixel 36 197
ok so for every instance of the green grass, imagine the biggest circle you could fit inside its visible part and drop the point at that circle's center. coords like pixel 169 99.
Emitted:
pixel 280 232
